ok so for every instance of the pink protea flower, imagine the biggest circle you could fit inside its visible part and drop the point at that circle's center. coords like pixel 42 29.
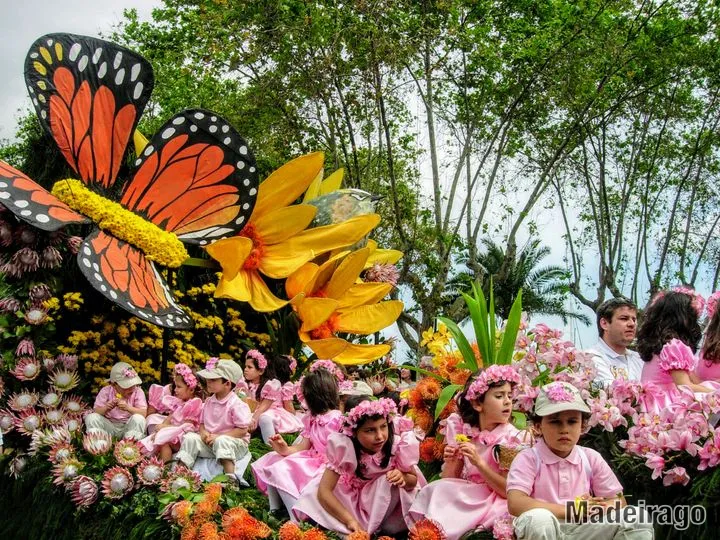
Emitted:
pixel 73 244
pixel 2 388
pixel 28 421
pixel 66 471
pixel 59 434
pixel 26 369
pixel 676 475
pixel 181 478
pixel 54 417
pixel 97 443
pixel 84 491
pixel 72 424
pixel 117 482
pixel 26 235
pixel 48 363
pixel 74 405
pixel 57 237
pixel 382 273
pixel 36 316
pixel 60 452
pixel 7 421
pixel 50 400
pixel 9 305
pixel 6 233
pixel 150 471
pixel 11 270
pixel 51 257
pixel 26 260
pixel 127 452
pixel 63 380
pixel 70 361
pixel 26 347
pixel 39 293
pixel 22 401
pixel 17 465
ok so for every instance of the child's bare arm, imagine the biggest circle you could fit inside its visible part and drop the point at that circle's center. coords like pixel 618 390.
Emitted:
pixel 519 502
pixel 331 504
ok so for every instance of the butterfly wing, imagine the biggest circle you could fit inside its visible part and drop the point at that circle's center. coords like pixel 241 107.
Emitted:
pixel 196 178
pixel 123 274
pixel 89 95
pixel 32 203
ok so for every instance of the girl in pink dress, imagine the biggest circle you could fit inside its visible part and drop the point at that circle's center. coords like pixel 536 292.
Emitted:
pixel 157 411
pixel 371 477
pixel 667 341
pixel 471 493
pixel 284 473
pixel 270 387
pixel 185 407
pixel 708 368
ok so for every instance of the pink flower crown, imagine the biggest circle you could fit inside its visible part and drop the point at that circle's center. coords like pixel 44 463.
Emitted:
pixel 698 302
pixel 182 370
pixel 712 303
pixel 330 366
pixel 129 373
pixel 557 392
pixel 493 374
pixel 211 363
pixel 259 358
pixel 381 407
pixel 292 361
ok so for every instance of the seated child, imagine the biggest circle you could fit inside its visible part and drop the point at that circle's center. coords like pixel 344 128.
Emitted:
pixel 157 411
pixel 544 479
pixel 185 408
pixel 284 473
pixel 224 422
pixel 371 477
pixel 120 407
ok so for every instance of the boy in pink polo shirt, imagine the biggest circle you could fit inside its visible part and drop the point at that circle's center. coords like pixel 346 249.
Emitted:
pixel 556 470
pixel 120 407
pixel 224 422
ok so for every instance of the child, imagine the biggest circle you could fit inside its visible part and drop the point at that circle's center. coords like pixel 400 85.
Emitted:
pixel 545 478
pixel 407 378
pixel 287 470
pixel 371 476
pixel 471 493
pixel 120 407
pixel 157 411
pixel 708 368
pixel 269 385
pixel 224 422
pixel 185 408
pixel 667 341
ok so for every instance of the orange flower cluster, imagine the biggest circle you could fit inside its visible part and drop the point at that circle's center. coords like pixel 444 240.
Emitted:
pixel 431 449
pixel 427 529
pixel 240 525
pixel 358 535
pixel 291 531
pixel 447 366
pixel 422 400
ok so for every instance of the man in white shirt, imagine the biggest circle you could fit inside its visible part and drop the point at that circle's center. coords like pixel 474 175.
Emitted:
pixel 617 324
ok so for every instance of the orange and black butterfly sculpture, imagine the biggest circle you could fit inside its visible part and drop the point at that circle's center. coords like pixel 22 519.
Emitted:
pixel 195 182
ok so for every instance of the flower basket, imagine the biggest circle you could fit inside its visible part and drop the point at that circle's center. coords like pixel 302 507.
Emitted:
pixel 504 455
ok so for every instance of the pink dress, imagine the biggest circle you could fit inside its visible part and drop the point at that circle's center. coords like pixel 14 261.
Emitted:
pixel 155 400
pixel 292 473
pixel 463 504
pixel 185 417
pixel 373 501
pixel 283 420
pixel 707 371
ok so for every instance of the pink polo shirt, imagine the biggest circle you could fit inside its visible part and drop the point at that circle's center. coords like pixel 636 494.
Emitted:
pixel 561 479
pixel 107 394
pixel 221 415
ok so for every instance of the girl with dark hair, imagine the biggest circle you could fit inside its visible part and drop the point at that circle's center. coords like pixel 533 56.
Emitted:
pixel 708 368
pixel 471 492
pixel 371 477
pixel 269 386
pixel 667 341
pixel 284 473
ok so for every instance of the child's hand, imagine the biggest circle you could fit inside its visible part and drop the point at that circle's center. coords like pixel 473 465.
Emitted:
pixel 279 444
pixel 253 425
pixel 469 451
pixel 451 453
pixel 123 405
pixel 396 478
pixel 209 438
pixel 354 526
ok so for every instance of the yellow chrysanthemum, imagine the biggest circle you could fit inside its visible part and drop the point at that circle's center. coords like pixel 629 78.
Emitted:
pixel 276 241
pixel 329 300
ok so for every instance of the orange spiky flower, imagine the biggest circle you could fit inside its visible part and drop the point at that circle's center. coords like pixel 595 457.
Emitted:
pixel 314 534
pixel 239 524
pixel 290 531
pixel 427 529
pixel 189 533
pixel 427 450
pixel 358 535
pixel 208 531
pixel 429 388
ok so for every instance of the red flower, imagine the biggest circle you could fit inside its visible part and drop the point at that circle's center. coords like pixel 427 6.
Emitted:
pixel 427 529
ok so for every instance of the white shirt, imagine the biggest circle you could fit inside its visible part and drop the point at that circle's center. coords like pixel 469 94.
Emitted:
pixel 612 365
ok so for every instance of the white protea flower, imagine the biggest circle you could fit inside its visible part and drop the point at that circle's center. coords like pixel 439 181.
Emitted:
pixel 37 441
pixel 97 443
pixel 26 369
pixel 60 452
pixel 127 452
pixel 23 401
pixel 59 434
pixel 51 400
pixel 72 424
pixel 28 422
pixel 17 466
pixel 48 364
pixel 150 471
pixel 74 405
pixel 7 421
pixel 66 471
pixel 84 491
pixel 117 481
pixel 181 478
pixel 54 416
pixel 64 380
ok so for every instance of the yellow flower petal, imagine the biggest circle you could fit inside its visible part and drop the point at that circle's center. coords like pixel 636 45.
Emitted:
pixel 280 224
pixel 382 256
pixel 248 286
pixel 363 294
pixel 347 273
pixel 313 189
pixel 369 319
pixel 347 353
pixel 332 182
pixel 281 260
pixel 315 311
pixel 287 183
pixel 231 254
pixel 301 280
pixel 140 142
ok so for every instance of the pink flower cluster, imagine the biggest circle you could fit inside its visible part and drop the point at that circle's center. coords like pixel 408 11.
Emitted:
pixel 492 375
pixel 211 363
pixel 698 302
pixel 129 373
pixel 557 392
pixel 258 357
pixel 292 361
pixel 712 303
pixel 184 371
pixel 381 407
pixel 330 366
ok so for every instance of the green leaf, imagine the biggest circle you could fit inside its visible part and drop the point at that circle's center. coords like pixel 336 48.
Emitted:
pixel 511 330
pixel 519 420
pixel 445 396
pixel 460 339
pixel 491 321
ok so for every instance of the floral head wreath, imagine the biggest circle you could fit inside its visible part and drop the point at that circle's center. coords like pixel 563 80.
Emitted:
pixel 491 375
pixel 381 407
pixel 292 361
pixel 712 303
pixel 211 363
pixel 330 366
pixel 182 370
pixel 698 302
pixel 258 357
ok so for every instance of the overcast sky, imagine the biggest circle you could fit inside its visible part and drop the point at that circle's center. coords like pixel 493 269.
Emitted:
pixel 23 21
